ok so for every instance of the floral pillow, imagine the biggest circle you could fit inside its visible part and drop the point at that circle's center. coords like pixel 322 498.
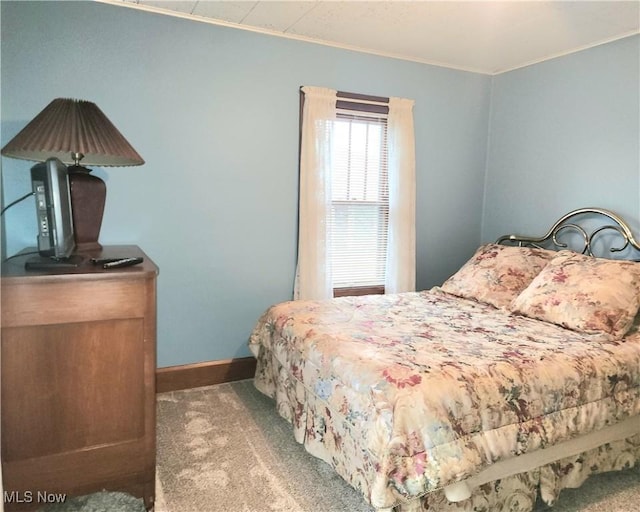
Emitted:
pixel 496 274
pixel 585 294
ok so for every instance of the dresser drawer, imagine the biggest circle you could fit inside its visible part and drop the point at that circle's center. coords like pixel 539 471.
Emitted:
pixel 78 301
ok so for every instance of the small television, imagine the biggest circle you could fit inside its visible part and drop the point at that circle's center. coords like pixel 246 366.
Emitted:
pixel 50 184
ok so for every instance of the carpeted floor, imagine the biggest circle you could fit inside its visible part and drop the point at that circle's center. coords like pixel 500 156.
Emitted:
pixel 98 502
pixel 224 448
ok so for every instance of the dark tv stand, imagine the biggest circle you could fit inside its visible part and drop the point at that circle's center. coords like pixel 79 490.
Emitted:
pixel 51 263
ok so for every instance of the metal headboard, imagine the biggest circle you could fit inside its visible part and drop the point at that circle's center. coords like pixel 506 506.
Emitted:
pixel 621 231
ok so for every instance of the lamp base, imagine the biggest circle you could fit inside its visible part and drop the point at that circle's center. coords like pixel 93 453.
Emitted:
pixel 88 196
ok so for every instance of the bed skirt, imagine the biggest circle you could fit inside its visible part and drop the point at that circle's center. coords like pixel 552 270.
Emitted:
pixel 324 434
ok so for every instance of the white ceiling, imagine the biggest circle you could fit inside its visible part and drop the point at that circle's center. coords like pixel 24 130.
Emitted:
pixel 481 36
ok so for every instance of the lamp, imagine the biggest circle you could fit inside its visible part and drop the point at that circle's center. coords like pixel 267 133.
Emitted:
pixel 74 131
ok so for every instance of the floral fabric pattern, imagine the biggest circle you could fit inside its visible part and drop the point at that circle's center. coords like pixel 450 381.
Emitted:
pixel 583 293
pixel 405 394
pixel 496 274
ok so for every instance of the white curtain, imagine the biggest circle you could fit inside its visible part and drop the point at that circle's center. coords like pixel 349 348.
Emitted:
pixel 401 242
pixel 313 272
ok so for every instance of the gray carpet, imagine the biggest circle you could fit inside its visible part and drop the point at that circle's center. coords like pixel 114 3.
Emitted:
pixel 224 448
pixel 98 502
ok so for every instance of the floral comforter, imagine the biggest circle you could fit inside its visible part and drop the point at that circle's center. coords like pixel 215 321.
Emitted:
pixel 404 394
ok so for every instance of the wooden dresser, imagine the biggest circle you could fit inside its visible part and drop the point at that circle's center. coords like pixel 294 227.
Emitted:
pixel 78 379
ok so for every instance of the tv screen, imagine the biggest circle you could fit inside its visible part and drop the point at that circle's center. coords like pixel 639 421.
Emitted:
pixel 50 185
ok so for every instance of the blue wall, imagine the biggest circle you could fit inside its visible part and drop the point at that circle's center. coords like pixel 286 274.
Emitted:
pixel 565 134
pixel 214 112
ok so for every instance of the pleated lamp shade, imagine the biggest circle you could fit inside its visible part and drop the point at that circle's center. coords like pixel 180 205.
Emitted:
pixel 76 132
pixel 67 127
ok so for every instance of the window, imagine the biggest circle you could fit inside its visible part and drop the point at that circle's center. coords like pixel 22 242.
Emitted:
pixel 356 216
pixel 359 202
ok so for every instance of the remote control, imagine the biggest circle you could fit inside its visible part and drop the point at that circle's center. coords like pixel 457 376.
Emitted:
pixel 102 261
pixel 123 262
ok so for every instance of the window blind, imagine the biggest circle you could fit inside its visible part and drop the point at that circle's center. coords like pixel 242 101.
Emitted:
pixel 360 198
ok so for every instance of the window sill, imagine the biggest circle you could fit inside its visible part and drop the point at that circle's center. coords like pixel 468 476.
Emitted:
pixel 358 290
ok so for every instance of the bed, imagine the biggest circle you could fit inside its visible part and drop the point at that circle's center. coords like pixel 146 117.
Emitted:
pixel 516 378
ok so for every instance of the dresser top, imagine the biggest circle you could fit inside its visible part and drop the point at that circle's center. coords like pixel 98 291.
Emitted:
pixel 14 269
